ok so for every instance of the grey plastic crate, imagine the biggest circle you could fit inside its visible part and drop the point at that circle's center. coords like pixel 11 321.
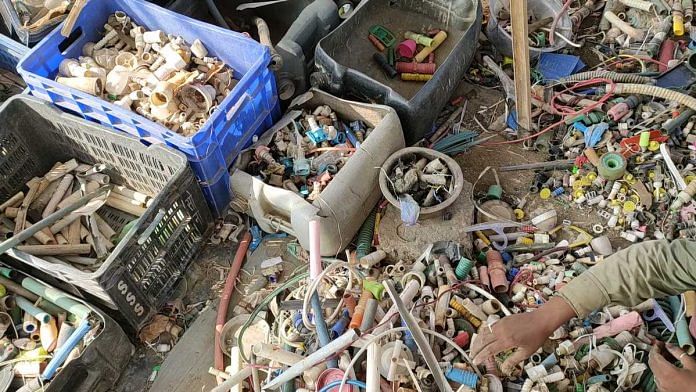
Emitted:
pixel 346 68
pixel 139 274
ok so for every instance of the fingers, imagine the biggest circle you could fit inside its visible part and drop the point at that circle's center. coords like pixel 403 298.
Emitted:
pixel 687 361
pixel 659 365
pixel 513 360
pixel 483 339
pixel 492 349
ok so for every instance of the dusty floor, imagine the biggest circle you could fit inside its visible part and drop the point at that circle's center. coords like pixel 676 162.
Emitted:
pixel 204 280
pixel 201 287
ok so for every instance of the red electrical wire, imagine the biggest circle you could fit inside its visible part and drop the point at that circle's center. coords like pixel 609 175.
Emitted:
pixel 565 109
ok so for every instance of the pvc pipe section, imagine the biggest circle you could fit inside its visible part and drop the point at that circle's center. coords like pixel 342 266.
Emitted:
pixel 419 337
pixel 315 268
pixel 314 359
pixel 373 375
pixel 230 282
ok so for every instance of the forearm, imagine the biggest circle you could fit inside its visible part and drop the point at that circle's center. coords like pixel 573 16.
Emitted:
pixel 647 270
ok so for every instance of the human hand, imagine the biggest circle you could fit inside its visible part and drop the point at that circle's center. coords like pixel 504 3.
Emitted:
pixel 668 377
pixel 524 332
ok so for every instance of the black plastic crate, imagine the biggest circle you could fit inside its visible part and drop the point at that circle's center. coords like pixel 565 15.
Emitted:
pixel 102 361
pixel 141 271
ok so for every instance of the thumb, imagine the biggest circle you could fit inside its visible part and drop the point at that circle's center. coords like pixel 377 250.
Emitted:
pixel 513 360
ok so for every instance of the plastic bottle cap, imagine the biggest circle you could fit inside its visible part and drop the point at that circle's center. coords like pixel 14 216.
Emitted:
pixel 654 145
pixel 629 206
pixel 519 214
pixel 545 193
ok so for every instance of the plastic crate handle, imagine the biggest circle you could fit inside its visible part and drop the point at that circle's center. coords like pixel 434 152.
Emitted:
pixel 234 110
pixel 151 227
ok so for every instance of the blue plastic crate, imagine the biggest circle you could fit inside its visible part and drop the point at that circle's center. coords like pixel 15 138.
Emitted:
pixel 251 107
pixel 11 52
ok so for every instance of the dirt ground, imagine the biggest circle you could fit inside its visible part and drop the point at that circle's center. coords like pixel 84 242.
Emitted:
pixel 205 278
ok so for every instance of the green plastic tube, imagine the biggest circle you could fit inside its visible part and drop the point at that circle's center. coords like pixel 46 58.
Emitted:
pixel 682 327
pixel 57 297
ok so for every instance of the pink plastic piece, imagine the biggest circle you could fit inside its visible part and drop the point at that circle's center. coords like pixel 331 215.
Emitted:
pixel 692 326
pixel 314 249
pixel 624 323
pixel 483 275
pixel 407 48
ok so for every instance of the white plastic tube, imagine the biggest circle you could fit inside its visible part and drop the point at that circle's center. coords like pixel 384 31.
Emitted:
pixel 373 376
pixel 314 359
pixel 407 296
pixel 626 28
pixel 638 4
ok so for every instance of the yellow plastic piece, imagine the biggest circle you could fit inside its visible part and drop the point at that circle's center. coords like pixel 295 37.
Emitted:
pixel 614 203
pixel 578 193
pixel 678 24
pixel 519 214
pixel 689 178
pixel 635 198
pixel 651 174
pixel 629 206
pixel 591 176
pixel 628 177
pixel 654 145
pixel 545 193
pixel 507 61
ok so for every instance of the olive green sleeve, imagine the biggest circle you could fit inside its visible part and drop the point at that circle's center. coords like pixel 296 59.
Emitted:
pixel 645 270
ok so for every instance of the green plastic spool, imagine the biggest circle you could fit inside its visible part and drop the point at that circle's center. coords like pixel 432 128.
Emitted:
pixel 495 192
pixel 463 268
pixel 612 166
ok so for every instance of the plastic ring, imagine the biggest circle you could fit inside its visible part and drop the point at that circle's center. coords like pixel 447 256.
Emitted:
pixel 598 229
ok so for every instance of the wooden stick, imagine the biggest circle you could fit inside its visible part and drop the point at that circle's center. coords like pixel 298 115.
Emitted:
pixel 124 206
pixel 61 170
pixel 131 194
pixel 11 212
pixel 63 223
pixel 58 195
pixel 61 240
pixel 44 236
pixel 20 220
pixel 104 227
pixel 81 260
pixel 33 191
pixel 520 32
pixel 90 187
pixel 74 232
pixel 126 199
pixel 13 201
pixel 70 21
pixel 53 250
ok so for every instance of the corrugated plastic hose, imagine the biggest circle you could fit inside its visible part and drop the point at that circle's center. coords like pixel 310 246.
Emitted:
pixel 365 235
pixel 613 76
pixel 656 92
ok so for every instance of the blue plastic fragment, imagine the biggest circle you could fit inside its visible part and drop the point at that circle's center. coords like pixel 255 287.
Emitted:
pixel 512 119
pixel 594 134
pixel 555 66
pixel 317 135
